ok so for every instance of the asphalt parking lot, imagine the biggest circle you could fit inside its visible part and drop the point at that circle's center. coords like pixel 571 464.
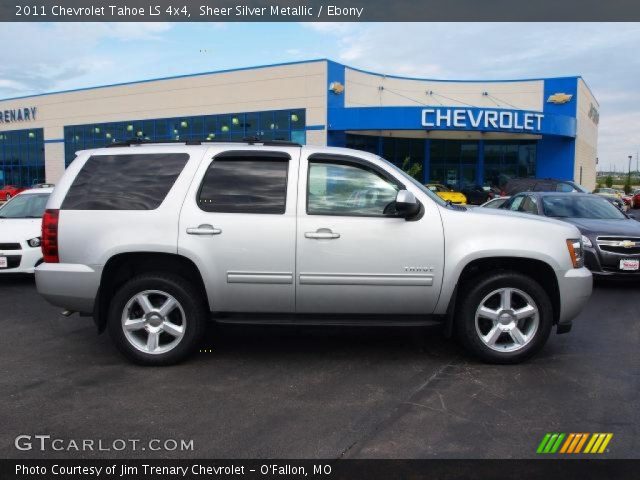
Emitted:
pixel 319 393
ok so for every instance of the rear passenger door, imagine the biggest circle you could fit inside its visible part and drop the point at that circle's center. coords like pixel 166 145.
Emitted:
pixel 238 225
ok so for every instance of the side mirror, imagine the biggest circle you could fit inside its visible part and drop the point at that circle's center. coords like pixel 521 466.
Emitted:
pixel 406 204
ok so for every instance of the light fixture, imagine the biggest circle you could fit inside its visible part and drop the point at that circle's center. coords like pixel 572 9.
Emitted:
pixel 32 135
pixel 175 131
pixel 108 135
pixel 184 124
pixel 139 133
pixel 225 128
pixel 97 129
pixel 294 117
pixel 34 242
pixel 129 128
pixel 235 121
pixel 272 126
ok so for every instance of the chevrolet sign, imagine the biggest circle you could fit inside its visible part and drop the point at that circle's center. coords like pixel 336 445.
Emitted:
pixel 468 119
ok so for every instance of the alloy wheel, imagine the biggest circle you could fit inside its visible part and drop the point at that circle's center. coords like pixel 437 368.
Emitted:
pixel 153 322
pixel 507 320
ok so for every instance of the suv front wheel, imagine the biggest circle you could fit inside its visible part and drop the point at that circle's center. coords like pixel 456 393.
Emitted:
pixel 505 317
pixel 157 319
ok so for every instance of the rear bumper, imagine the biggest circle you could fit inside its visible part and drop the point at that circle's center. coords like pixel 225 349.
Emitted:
pixel 70 286
pixel 575 289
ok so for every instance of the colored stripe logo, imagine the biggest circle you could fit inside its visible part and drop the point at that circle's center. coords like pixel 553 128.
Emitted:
pixel 573 443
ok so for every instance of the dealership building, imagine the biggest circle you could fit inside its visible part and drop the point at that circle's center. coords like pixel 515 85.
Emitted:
pixel 445 131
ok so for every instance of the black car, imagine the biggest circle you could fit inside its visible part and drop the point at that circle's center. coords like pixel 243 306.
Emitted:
pixel 478 194
pixel 610 237
pixel 517 185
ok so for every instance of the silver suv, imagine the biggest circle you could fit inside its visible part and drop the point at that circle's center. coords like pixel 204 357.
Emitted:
pixel 154 240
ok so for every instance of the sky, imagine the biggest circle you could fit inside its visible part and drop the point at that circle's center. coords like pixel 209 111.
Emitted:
pixel 40 57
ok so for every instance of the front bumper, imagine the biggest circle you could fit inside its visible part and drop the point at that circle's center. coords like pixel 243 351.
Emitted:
pixel 70 286
pixel 21 261
pixel 575 287
pixel 607 264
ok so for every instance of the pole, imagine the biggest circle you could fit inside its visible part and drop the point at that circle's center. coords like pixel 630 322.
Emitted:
pixel 629 172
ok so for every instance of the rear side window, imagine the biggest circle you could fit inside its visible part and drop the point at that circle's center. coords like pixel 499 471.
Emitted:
pixel 124 182
pixel 238 183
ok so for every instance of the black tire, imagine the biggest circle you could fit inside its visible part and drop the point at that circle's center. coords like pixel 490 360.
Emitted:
pixel 190 299
pixel 479 288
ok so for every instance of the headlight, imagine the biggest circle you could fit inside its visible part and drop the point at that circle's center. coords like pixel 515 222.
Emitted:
pixel 34 242
pixel 575 252
pixel 586 242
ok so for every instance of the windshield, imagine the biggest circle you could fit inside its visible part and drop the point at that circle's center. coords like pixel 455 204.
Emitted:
pixel 422 188
pixel 579 206
pixel 25 206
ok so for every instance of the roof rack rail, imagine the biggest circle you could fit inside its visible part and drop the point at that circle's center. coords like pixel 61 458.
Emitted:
pixel 247 140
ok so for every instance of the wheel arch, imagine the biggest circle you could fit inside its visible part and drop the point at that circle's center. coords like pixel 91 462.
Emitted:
pixel 121 267
pixel 539 270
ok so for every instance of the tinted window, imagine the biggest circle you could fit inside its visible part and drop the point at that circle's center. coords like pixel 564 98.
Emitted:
pixel 348 189
pixel 564 187
pixel 530 205
pixel 579 206
pixel 25 206
pixel 242 184
pixel 124 182
pixel 515 204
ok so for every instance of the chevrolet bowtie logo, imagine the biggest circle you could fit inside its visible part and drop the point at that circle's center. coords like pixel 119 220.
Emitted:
pixel 336 87
pixel 627 244
pixel 559 98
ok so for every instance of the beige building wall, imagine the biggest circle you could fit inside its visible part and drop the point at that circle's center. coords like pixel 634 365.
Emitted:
pixel 293 86
pixel 369 90
pixel 587 136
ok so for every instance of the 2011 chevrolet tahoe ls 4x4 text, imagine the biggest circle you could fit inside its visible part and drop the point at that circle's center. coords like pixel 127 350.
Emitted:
pixel 154 240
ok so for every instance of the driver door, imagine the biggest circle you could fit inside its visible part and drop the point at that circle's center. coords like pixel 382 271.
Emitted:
pixel 355 254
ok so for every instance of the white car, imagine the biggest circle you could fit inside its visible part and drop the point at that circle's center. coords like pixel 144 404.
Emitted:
pixel 20 230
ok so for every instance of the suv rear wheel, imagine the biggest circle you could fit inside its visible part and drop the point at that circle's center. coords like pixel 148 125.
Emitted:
pixel 505 318
pixel 157 319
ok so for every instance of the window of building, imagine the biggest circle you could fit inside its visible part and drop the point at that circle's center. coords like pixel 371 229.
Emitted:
pixel 242 184
pixel 124 182
pixel 269 125
pixel 348 189
pixel 22 157
pixel 453 162
pixel 504 160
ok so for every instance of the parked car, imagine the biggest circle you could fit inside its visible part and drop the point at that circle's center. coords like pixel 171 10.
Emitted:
pixel 20 221
pixel 611 239
pixel 282 233
pixel 9 191
pixel 477 194
pixel 636 198
pixel 447 194
pixel 517 185
pixel 607 192
pixel 495 202
pixel 616 202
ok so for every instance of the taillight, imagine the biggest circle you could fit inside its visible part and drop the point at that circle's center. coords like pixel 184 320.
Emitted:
pixel 50 236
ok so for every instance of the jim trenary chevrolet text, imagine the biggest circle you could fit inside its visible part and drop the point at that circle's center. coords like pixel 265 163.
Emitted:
pixel 155 240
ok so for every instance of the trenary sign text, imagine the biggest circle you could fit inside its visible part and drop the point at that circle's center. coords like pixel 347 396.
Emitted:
pixel 12 115
pixel 481 119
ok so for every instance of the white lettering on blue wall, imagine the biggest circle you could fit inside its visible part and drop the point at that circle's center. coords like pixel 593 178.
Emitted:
pixel 27 114
pixel 481 119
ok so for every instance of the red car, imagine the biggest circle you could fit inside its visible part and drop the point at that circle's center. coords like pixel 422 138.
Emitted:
pixel 636 199
pixel 9 191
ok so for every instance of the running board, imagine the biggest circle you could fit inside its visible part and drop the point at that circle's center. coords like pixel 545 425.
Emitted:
pixel 329 320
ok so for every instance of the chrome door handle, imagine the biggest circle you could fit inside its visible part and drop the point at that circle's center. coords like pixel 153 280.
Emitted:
pixel 204 229
pixel 322 234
